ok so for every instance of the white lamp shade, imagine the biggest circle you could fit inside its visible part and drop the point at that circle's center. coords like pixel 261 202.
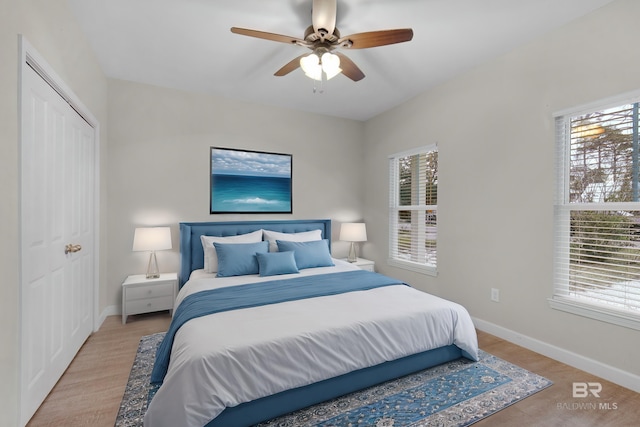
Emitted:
pixel 331 65
pixel 152 239
pixel 310 64
pixel 353 232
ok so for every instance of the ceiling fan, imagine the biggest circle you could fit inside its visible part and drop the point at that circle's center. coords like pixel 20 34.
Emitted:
pixel 323 38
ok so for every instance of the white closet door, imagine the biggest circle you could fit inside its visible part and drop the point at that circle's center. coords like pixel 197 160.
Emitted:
pixel 57 185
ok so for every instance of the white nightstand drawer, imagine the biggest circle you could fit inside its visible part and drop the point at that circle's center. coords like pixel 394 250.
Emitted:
pixel 142 295
pixel 364 264
pixel 148 305
pixel 150 291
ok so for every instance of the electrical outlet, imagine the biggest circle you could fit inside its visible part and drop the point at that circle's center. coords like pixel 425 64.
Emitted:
pixel 495 295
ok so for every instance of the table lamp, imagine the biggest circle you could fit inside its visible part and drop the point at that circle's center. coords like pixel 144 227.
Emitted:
pixel 353 232
pixel 152 239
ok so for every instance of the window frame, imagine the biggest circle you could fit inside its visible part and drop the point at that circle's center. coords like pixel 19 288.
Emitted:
pixel 395 208
pixel 562 211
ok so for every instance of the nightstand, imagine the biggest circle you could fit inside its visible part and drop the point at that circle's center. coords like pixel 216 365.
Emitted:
pixel 365 264
pixel 142 295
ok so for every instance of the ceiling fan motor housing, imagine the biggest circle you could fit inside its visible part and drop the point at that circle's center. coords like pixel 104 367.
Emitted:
pixel 312 36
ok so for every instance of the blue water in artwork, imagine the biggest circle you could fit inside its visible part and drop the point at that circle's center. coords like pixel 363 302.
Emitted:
pixel 244 193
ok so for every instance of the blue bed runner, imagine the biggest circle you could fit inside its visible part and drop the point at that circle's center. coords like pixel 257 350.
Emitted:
pixel 256 294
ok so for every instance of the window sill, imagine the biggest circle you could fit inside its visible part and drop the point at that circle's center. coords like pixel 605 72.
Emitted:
pixel 413 266
pixel 594 311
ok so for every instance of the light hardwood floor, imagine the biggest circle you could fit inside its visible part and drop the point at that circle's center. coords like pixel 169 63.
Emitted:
pixel 90 391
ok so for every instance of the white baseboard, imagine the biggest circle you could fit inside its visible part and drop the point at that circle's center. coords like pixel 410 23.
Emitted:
pixel 112 310
pixel 610 373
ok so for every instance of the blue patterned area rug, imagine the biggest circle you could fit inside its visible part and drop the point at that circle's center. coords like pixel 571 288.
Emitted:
pixel 457 393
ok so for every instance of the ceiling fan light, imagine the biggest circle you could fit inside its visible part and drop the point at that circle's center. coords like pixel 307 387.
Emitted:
pixel 331 65
pixel 331 74
pixel 315 74
pixel 310 64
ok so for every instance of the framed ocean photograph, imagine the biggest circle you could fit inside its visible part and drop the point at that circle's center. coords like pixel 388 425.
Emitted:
pixel 245 181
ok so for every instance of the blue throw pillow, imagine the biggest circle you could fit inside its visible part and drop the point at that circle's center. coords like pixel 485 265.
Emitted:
pixel 239 259
pixel 308 254
pixel 273 263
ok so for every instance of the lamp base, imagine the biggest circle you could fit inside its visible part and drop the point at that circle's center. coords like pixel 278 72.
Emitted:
pixel 353 256
pixel 152 267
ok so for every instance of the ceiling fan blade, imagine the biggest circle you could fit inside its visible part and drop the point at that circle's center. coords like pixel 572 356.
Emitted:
pixel 349 68
pixel 290 66
pixel 376 38
pixel 323 15
pixel 266 36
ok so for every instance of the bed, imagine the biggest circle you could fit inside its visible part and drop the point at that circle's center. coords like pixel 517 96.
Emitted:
pixel 252 345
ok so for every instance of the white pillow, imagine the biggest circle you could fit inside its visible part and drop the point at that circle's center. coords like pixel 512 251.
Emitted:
pixel 210 256
pixel 305 236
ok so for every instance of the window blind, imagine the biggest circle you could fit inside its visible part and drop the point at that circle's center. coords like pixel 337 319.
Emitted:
pixel 597 213
pixel 413 184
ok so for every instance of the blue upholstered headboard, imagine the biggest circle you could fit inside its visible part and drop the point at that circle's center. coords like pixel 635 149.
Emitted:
pixel 192 254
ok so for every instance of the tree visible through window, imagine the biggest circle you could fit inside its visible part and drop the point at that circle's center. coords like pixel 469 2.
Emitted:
pixel 598 210
pixel 604 156
pixel 413 208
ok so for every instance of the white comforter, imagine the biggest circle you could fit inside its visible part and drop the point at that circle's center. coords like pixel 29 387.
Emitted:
pixel 228 358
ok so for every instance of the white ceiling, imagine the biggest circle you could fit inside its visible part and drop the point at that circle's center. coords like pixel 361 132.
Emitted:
pixel 186 44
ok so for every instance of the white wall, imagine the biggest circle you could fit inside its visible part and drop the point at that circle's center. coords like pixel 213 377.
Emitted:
pixel 159 142
pixel 51 29
pixel 494 128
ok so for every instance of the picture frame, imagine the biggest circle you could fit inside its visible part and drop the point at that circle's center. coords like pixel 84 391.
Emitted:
pixel 248 181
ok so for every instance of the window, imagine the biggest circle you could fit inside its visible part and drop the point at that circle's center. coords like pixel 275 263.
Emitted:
pixel 597 214
pixel 413 207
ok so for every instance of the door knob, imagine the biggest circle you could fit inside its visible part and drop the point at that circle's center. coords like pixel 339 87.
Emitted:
pixel 72 248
